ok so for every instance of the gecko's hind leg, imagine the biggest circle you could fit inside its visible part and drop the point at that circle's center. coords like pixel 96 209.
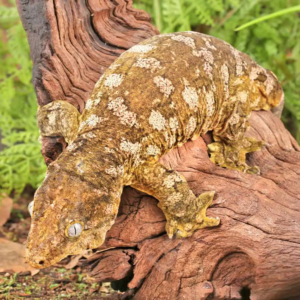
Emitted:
pixel 59 118
pixel 184 212
pixel 232 154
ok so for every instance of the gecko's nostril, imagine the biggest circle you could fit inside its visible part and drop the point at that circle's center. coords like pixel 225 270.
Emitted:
pixel 41 262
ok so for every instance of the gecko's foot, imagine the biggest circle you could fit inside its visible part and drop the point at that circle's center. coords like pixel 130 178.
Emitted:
pixel 232 155
pixel 184 227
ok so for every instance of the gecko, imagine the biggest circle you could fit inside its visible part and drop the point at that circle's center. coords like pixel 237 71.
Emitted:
pixel 156 96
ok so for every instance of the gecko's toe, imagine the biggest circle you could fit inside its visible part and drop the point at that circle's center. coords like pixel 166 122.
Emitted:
pixel 253 170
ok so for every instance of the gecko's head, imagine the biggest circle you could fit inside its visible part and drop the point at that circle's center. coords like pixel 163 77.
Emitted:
pixel 270 90
pixel 69 216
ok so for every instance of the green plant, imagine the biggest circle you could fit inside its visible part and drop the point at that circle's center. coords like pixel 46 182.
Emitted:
pixel 21 162
pixel 270 16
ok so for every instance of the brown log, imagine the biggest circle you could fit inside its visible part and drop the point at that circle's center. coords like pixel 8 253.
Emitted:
pixel 71 45
pixel 254 253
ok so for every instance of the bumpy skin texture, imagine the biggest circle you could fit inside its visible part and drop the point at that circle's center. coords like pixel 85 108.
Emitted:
pixel 154 97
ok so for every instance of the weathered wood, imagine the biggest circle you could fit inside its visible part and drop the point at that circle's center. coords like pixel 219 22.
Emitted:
pixel 73 42
pixel 257 247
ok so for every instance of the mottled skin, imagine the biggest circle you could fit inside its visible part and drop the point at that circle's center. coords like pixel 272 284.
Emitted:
pixel 154 97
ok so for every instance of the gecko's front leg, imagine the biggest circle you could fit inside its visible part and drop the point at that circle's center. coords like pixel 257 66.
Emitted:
pixel 184 212
pixel 59 118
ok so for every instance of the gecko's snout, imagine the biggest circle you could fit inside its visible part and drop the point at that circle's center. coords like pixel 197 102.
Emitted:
pixel 37 262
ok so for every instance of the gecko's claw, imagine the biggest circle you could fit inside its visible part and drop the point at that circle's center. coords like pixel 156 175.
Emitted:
pixel 232 155
pixel 184 228
pixel 171 228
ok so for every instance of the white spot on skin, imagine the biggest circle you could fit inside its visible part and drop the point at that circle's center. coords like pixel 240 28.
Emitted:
pixel 172 105
pixel 56 105
pixel 52 117
pixel 173 123
pixel 89 135
pixel 153 150
pixel 208 44
pixel 185 81
pixel 225 76
pixel 115 172
pixel 157 120
pixel 165 85
pixel 98 97
pixel 108 150
pixel 171 179
pixel 91 121
pixel 235 118
pixel 98 83
pixel 269 84
pixel 72 146
pixel 191 126
pixel 155 101
pixel 171 140
pixel 137 161
pixel 184 39
pixel 113 80
pixel 238 81
pixel 206 54
pixel 79 167
pixel 141 48
pixel 121 111
pixel 190 96
pixel 238 61
pixel 89 104
pixel 166 34
pixel 132 148
pixel 109 209
pixel 210 101
pixel 242 96
pixel 174 198
pixel 208 70
pixel 148 63
pixel 255 71
pixel 114 66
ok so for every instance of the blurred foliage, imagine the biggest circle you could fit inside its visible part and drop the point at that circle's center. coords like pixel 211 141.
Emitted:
pixel 21 162
pixel 275 44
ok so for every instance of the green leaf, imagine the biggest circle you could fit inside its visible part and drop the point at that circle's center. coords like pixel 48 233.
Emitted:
pixel 270 16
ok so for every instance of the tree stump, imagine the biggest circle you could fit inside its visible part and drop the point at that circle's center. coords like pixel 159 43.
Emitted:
pixel 254 253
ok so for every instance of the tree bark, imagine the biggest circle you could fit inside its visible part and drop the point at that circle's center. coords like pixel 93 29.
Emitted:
pixel 254 253
pixel 71 45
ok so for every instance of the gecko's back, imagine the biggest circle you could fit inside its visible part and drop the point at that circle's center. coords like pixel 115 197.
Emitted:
pixel 178 86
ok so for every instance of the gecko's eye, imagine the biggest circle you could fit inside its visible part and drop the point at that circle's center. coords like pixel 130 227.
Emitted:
pixel 30 207
pixel 74 229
